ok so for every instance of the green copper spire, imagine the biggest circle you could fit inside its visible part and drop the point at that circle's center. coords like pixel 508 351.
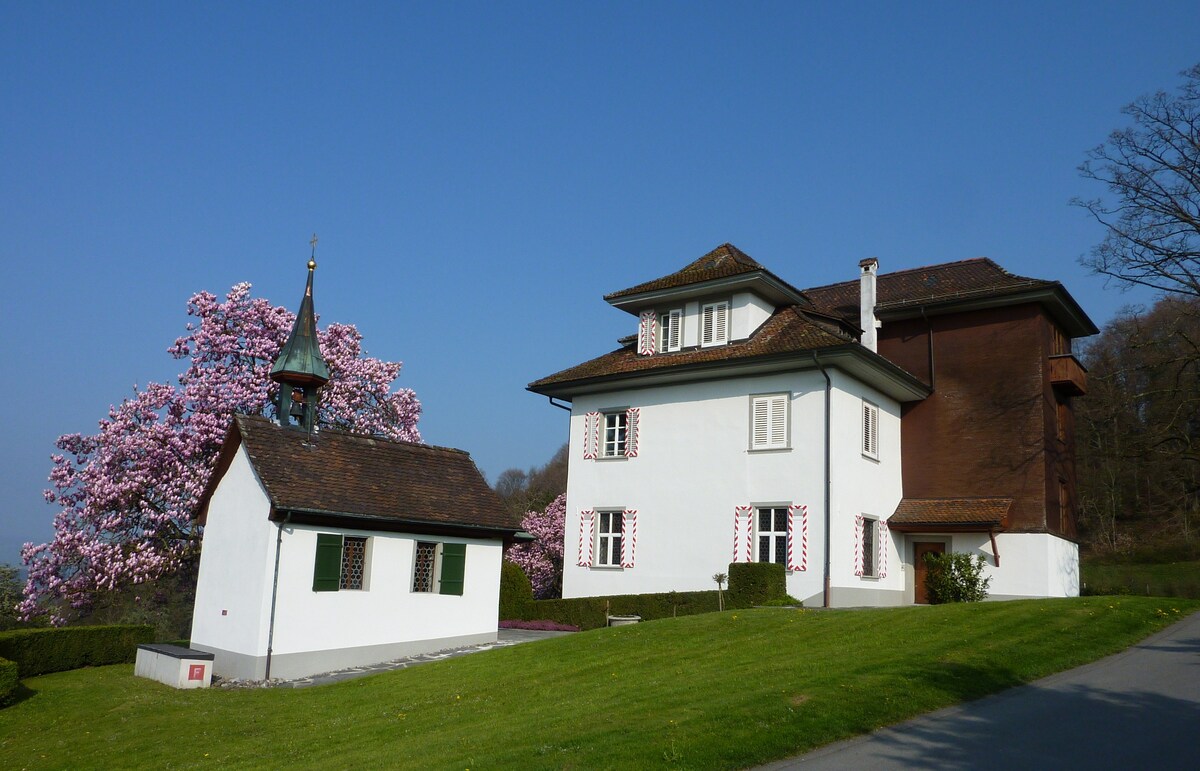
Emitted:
pixel 300 368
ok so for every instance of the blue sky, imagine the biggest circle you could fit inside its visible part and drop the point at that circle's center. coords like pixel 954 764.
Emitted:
pixel 480 174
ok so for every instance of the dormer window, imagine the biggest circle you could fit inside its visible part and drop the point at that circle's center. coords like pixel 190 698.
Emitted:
pixel 714 324
pixel 670 331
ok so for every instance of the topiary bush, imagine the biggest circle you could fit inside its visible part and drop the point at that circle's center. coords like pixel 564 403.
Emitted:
pixel 955 577
pixel 38 651
pixel 516 591
pixel 755 583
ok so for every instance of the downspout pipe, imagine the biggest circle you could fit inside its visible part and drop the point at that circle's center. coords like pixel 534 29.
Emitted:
pixel 932 369
pixel 828 482
pixel 275 592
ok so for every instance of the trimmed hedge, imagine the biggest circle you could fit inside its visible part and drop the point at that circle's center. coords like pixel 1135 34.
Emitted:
pixel 590 612
pixel 754 583
pixel 39 651
pixel 750 584
pixel 516 592
pixel 9 678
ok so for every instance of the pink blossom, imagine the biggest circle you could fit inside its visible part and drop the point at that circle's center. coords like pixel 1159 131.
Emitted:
pixel 126 493
pixel 542 559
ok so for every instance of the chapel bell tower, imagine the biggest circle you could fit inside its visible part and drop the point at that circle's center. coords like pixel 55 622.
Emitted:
pixel 300 369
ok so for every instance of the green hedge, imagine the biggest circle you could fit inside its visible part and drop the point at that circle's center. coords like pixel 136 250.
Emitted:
pixel 590 612
pixel 9 678
pixel 755 583
pixel 516 593
pixel 750 583
pixel 38 651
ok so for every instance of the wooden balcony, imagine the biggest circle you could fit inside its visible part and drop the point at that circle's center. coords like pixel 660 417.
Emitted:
pixel 1068 375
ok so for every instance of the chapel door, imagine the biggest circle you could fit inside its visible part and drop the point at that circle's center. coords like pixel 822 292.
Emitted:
pixel 920 549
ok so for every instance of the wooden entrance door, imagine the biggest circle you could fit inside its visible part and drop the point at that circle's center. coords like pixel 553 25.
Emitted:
pixel 920 549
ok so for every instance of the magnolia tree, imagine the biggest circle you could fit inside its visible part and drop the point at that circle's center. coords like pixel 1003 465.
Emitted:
pixel 542 559
pixel 127 492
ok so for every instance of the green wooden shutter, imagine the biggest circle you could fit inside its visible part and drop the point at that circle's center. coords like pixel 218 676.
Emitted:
pixel 327 572
pixel 454 564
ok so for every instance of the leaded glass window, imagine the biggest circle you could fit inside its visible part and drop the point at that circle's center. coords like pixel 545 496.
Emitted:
pixel 354 560
pixel 772 535
pixel 423 571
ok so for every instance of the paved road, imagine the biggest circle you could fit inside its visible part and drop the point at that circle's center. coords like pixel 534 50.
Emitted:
pixel 1139 709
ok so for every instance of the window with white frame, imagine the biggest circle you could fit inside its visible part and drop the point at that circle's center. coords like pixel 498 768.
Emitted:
pixel 870 547
pixel 616 428
pixel 609 527
pixel 670 331
pixel 773 535
pixel 870 430
pixel 769 422
pixel 714 324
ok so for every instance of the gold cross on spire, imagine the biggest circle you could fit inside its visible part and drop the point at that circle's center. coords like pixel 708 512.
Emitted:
pixel 312 262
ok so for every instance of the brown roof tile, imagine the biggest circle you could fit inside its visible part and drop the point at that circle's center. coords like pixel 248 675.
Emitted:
pixel 951 511
pixel 951 280
pixel 361 476
pixel 789 330
pixel 726 260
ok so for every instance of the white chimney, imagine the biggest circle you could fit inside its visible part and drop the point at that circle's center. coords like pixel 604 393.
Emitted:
pixel 866 302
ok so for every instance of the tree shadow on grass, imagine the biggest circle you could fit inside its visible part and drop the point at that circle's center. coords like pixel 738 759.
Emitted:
pixel 19 694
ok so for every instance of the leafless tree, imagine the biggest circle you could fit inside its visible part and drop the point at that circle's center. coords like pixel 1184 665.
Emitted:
pixel 1152 210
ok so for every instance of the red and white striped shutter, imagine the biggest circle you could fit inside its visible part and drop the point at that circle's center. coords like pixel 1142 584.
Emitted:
pixel 591 435
pixel 628 537
pixel 797 557
pixel 884 540
pixel 743 525
pixel 631 431
pixel 586 520
pixel 858 545
pixel 647 323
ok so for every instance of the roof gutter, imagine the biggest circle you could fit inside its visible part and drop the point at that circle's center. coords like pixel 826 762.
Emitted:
pixel 394 524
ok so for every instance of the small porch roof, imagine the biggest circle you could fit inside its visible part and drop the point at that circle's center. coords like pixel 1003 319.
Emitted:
pixel 941 515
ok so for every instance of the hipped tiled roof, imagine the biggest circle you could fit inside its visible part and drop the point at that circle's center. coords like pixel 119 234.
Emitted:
pixel 345 474
pixel 950 281
pixel 724 261
pixel 789 330
pixel 951 512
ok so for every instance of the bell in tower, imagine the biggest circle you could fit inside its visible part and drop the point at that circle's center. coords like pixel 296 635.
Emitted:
pixel 300 370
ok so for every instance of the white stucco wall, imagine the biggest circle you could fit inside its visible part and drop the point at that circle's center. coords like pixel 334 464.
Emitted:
pixel 694 467
pixel 1031 564
pixel 748 312
pixel 236 562
pixel 321 631
pixel 386 611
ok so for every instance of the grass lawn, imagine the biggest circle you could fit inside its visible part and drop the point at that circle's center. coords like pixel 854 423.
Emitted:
pixel 722 690
pixel 1168 579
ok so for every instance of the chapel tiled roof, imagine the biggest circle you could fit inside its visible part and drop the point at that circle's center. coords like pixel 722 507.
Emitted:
pixel 951 511
pixel 978 277
pixel 724 261
pixel 789 330
pixel 339 473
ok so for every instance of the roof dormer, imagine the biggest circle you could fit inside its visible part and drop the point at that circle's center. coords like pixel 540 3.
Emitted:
pixel 720 298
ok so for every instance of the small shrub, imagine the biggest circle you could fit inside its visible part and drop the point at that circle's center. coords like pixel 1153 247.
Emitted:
pixel 9 679
pixel 955 577
pixel 755 583
pixel 39 651
pixel 786 601
pixel 516 592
